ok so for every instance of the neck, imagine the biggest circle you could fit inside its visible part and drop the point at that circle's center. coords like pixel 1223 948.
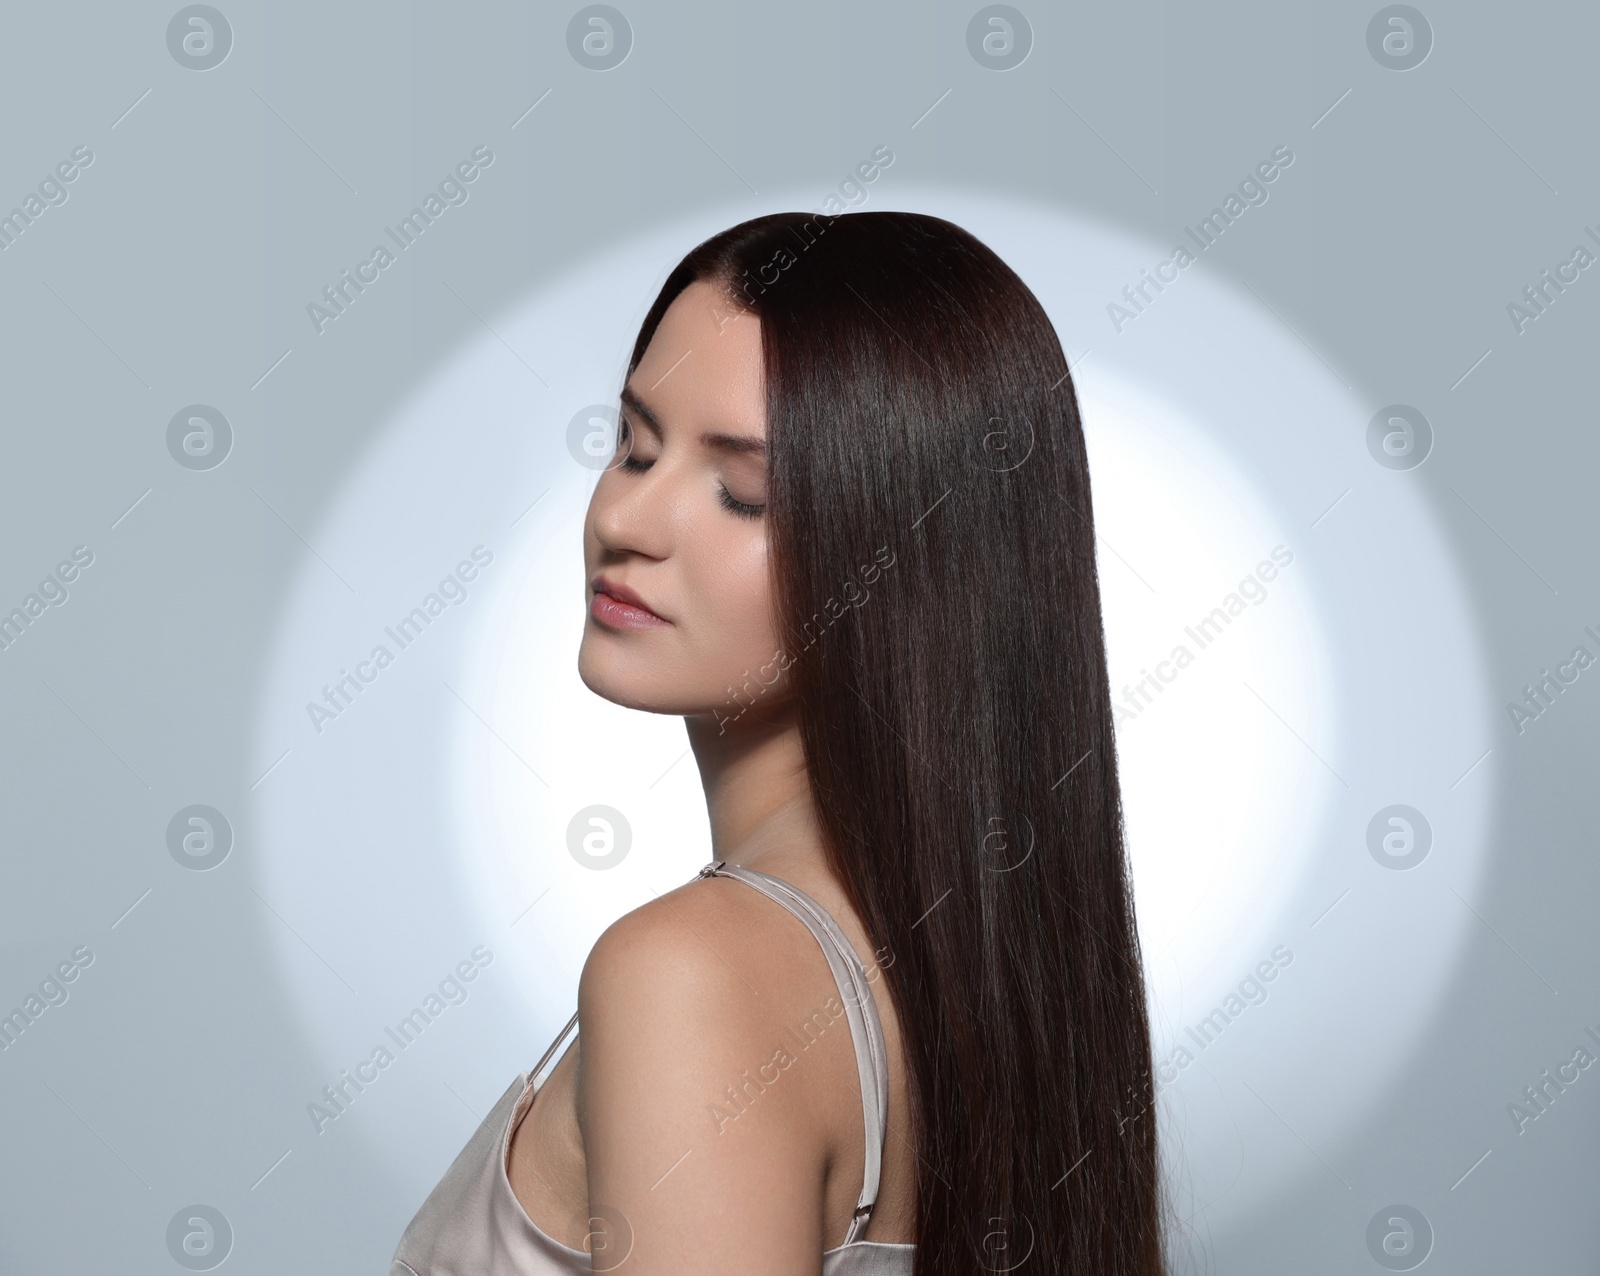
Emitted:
pixel 758 795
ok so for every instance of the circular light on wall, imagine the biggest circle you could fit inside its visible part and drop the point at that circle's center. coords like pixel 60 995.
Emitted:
pixel 1252 557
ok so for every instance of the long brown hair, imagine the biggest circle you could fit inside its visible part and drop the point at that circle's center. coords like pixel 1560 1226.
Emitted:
pixel 933 546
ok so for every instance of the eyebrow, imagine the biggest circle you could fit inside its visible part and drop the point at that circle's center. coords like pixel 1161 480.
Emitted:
pixel 741 443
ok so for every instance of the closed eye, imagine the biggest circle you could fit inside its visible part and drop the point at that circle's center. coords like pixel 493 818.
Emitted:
pixel 737 506
pixel 625 437
pixel 632 465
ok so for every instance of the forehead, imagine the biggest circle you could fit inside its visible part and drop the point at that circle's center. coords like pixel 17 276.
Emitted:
pixel 703 365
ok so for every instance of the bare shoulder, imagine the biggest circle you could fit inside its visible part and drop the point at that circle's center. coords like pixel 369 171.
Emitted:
pixel 701 975
pixel 695 1130
pixel 684 953
pixel 674 946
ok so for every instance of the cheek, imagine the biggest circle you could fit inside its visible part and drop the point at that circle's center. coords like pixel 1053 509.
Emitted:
pixel 736 614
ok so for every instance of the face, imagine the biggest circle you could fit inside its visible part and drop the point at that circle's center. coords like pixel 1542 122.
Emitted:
pixel 675 540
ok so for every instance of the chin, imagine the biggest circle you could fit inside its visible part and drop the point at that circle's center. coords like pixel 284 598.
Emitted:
pixel 624 682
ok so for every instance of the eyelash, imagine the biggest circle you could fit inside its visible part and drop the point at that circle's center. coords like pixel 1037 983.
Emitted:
pixel 634 466
pixel 738 507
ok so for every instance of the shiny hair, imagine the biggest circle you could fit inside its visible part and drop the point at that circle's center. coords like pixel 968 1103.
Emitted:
pixel 955 711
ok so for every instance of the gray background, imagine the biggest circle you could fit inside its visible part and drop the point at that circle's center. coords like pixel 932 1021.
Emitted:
pixel 219 202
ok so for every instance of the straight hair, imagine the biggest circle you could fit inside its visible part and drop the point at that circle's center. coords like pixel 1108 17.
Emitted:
pixel 933 549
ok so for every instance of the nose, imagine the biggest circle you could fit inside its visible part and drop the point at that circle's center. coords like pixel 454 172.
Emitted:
pixel 634 513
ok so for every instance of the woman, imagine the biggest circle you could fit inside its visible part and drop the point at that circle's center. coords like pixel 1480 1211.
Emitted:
pixel 848 536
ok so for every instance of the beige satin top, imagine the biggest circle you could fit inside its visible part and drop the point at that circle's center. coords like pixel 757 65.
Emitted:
pixel 473 1225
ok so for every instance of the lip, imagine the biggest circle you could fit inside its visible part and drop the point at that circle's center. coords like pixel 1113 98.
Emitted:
pixel 618 607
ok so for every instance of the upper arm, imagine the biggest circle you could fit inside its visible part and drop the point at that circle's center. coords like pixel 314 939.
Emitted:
pixel 699 1158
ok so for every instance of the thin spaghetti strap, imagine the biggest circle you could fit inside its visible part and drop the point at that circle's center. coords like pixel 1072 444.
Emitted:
pixel 535 1077
pixel 866 1030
